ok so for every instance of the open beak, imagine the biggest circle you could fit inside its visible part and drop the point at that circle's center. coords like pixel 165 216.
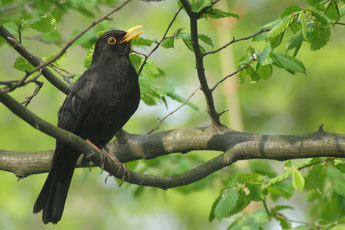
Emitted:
pixel 129 31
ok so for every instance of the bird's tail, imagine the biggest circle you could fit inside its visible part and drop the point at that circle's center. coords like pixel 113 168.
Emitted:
pixel 53 195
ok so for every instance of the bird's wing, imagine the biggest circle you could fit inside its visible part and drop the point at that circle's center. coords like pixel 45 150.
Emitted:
pixel 77 104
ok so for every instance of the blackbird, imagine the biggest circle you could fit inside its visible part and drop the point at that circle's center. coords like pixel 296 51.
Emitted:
pixel 100 103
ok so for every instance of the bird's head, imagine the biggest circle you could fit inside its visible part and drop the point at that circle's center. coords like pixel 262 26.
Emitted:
pixel 114 43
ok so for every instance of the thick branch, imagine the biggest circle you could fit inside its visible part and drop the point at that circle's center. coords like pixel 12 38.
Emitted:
pixel 200 63
pixel 235 145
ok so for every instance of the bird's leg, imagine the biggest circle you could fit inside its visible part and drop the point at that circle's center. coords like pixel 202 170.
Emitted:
pixel 122 166
pixel 105 152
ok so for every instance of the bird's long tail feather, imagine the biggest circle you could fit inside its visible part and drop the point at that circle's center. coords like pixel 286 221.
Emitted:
pixel 53 195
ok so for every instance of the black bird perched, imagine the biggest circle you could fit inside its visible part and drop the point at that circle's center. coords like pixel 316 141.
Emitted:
pixel 100 103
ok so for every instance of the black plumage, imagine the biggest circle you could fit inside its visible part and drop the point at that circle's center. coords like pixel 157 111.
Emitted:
pixel 100 103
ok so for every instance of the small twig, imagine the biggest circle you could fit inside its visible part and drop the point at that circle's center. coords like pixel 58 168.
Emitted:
pixel 340 23
pixel 318 162
pixel 67 77
pixel 139 53
pixel 266 208
pixel 230 75
pixel 38 87
pixel 174 111
pixel 236 40
pixel 63 50
pixel 160 42
pixel 20 33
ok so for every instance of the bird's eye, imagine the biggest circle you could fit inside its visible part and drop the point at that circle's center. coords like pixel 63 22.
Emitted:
pixel 111 41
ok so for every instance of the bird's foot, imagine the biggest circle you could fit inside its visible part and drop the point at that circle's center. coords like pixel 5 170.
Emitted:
pixel 105 153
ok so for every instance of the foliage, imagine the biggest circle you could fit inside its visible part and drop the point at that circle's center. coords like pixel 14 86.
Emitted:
pixel 311 23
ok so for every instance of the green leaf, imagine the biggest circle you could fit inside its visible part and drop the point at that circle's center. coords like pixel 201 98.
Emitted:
pixel 264 56
pixel 291 64
pixel 340 166
pixel 279 178
pixel 139 41
pixel 22 64
pixel 291 9
pixel 320 15
pixel 200 5
pixel 274 190
pixel 280 27
pixel 264 71
pixel 295 41
pixel 252 221
pixel 283 221
pixel 45 23
pixel 319 36
pixel 314 2
pixel 316 178
pixel 342 11
pixel 217 13
pixel 304 25
pixel 298 180
pixel 276 41
pixel 136 60
pixel 168 43
pixel 88 59
pixel 339 227
pixel 226 204
pixel 333 11
pixel 206 39
pixel 214 205
pixel 252 178
pixel 255 192
pixel 281 207
pixel 253 74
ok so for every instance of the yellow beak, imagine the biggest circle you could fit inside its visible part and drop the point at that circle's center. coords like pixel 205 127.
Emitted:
pixel 129 31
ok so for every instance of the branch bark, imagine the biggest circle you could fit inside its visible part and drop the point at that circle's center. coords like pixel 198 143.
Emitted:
pixel 199 60
pixel 233 145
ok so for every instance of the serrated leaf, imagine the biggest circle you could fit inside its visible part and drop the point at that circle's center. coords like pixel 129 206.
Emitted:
pixel 289 63
pixel 226 204
pixel 281 207
pixel 283 221
pixel 295 41
pixel 276 41
pixel 279 178
pixel 217 13
pixel 253 74
pixel 88 59
pixel 320 15
pixel 298 180
pixel 314 2
pixel 45 23
pixel 319 37
pixel 168 43
pixel 250 178
pixel 316 177
pixel 291 9
pixel 304 25
pixel 139 41
pixel 255 193
pixel 279 191
pixel 200 5
pixel 214 205
pixel 333 11
pixel 206 39
pixel 264 71
pixel 136 60
pixel 342 11
pixel 264 56
pixel 252 221
pixel 22 64
pixel 280 27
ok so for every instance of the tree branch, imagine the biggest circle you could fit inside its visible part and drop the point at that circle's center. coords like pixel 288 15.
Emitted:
pixel 34 60
pixel 234 145
pixel 200 63
pixel 160 42
pixel 236 40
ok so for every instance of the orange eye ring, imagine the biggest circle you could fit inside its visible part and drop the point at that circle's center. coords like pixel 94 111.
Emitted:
pixel 111 41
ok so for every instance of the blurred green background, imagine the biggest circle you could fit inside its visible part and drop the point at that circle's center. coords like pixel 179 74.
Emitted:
pixel 283 104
